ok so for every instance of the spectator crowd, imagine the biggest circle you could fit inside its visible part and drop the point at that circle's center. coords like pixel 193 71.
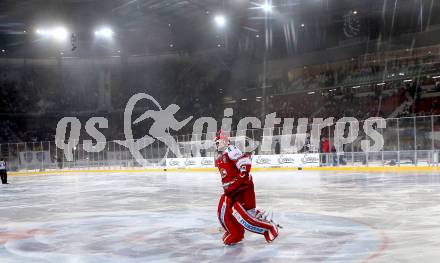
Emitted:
pixel 33 99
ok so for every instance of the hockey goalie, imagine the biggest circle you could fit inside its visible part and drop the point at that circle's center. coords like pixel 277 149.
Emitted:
pixel 237 207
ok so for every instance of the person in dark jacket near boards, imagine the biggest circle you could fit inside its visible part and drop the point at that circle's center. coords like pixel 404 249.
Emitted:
pixel 3 171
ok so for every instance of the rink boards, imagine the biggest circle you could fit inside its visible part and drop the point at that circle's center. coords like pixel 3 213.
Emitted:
pixel 360 169
pixel 258 161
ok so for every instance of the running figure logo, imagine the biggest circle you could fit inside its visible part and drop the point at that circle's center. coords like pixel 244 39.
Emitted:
pixel 163 122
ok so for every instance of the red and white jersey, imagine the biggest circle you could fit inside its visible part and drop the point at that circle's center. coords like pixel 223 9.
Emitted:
pixel 234 167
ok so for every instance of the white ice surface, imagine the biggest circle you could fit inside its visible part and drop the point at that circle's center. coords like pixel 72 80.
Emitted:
pixel 166 217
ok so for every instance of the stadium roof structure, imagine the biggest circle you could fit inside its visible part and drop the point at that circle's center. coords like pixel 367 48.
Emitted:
pixel 137 23
pixel 154 26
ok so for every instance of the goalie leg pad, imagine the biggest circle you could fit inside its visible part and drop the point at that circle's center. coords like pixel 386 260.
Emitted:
pixel 230 239
pixel 234 230
pixel 268 229
pixel 271 234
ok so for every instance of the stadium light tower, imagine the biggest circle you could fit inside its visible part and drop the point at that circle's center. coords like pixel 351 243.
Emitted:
pixel 220 20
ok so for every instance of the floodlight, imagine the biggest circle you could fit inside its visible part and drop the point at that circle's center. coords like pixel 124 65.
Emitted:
pixel 266 7
pixel 104 32
pixel 59 33
pixel 220 20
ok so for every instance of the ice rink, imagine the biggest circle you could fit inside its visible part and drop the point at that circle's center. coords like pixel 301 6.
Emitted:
pixel 171 217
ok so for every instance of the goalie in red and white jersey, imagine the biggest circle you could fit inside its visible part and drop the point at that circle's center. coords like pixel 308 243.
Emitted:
pixel 237 209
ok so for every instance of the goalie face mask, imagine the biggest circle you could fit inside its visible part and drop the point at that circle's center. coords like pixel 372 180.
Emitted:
pixel 221 141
